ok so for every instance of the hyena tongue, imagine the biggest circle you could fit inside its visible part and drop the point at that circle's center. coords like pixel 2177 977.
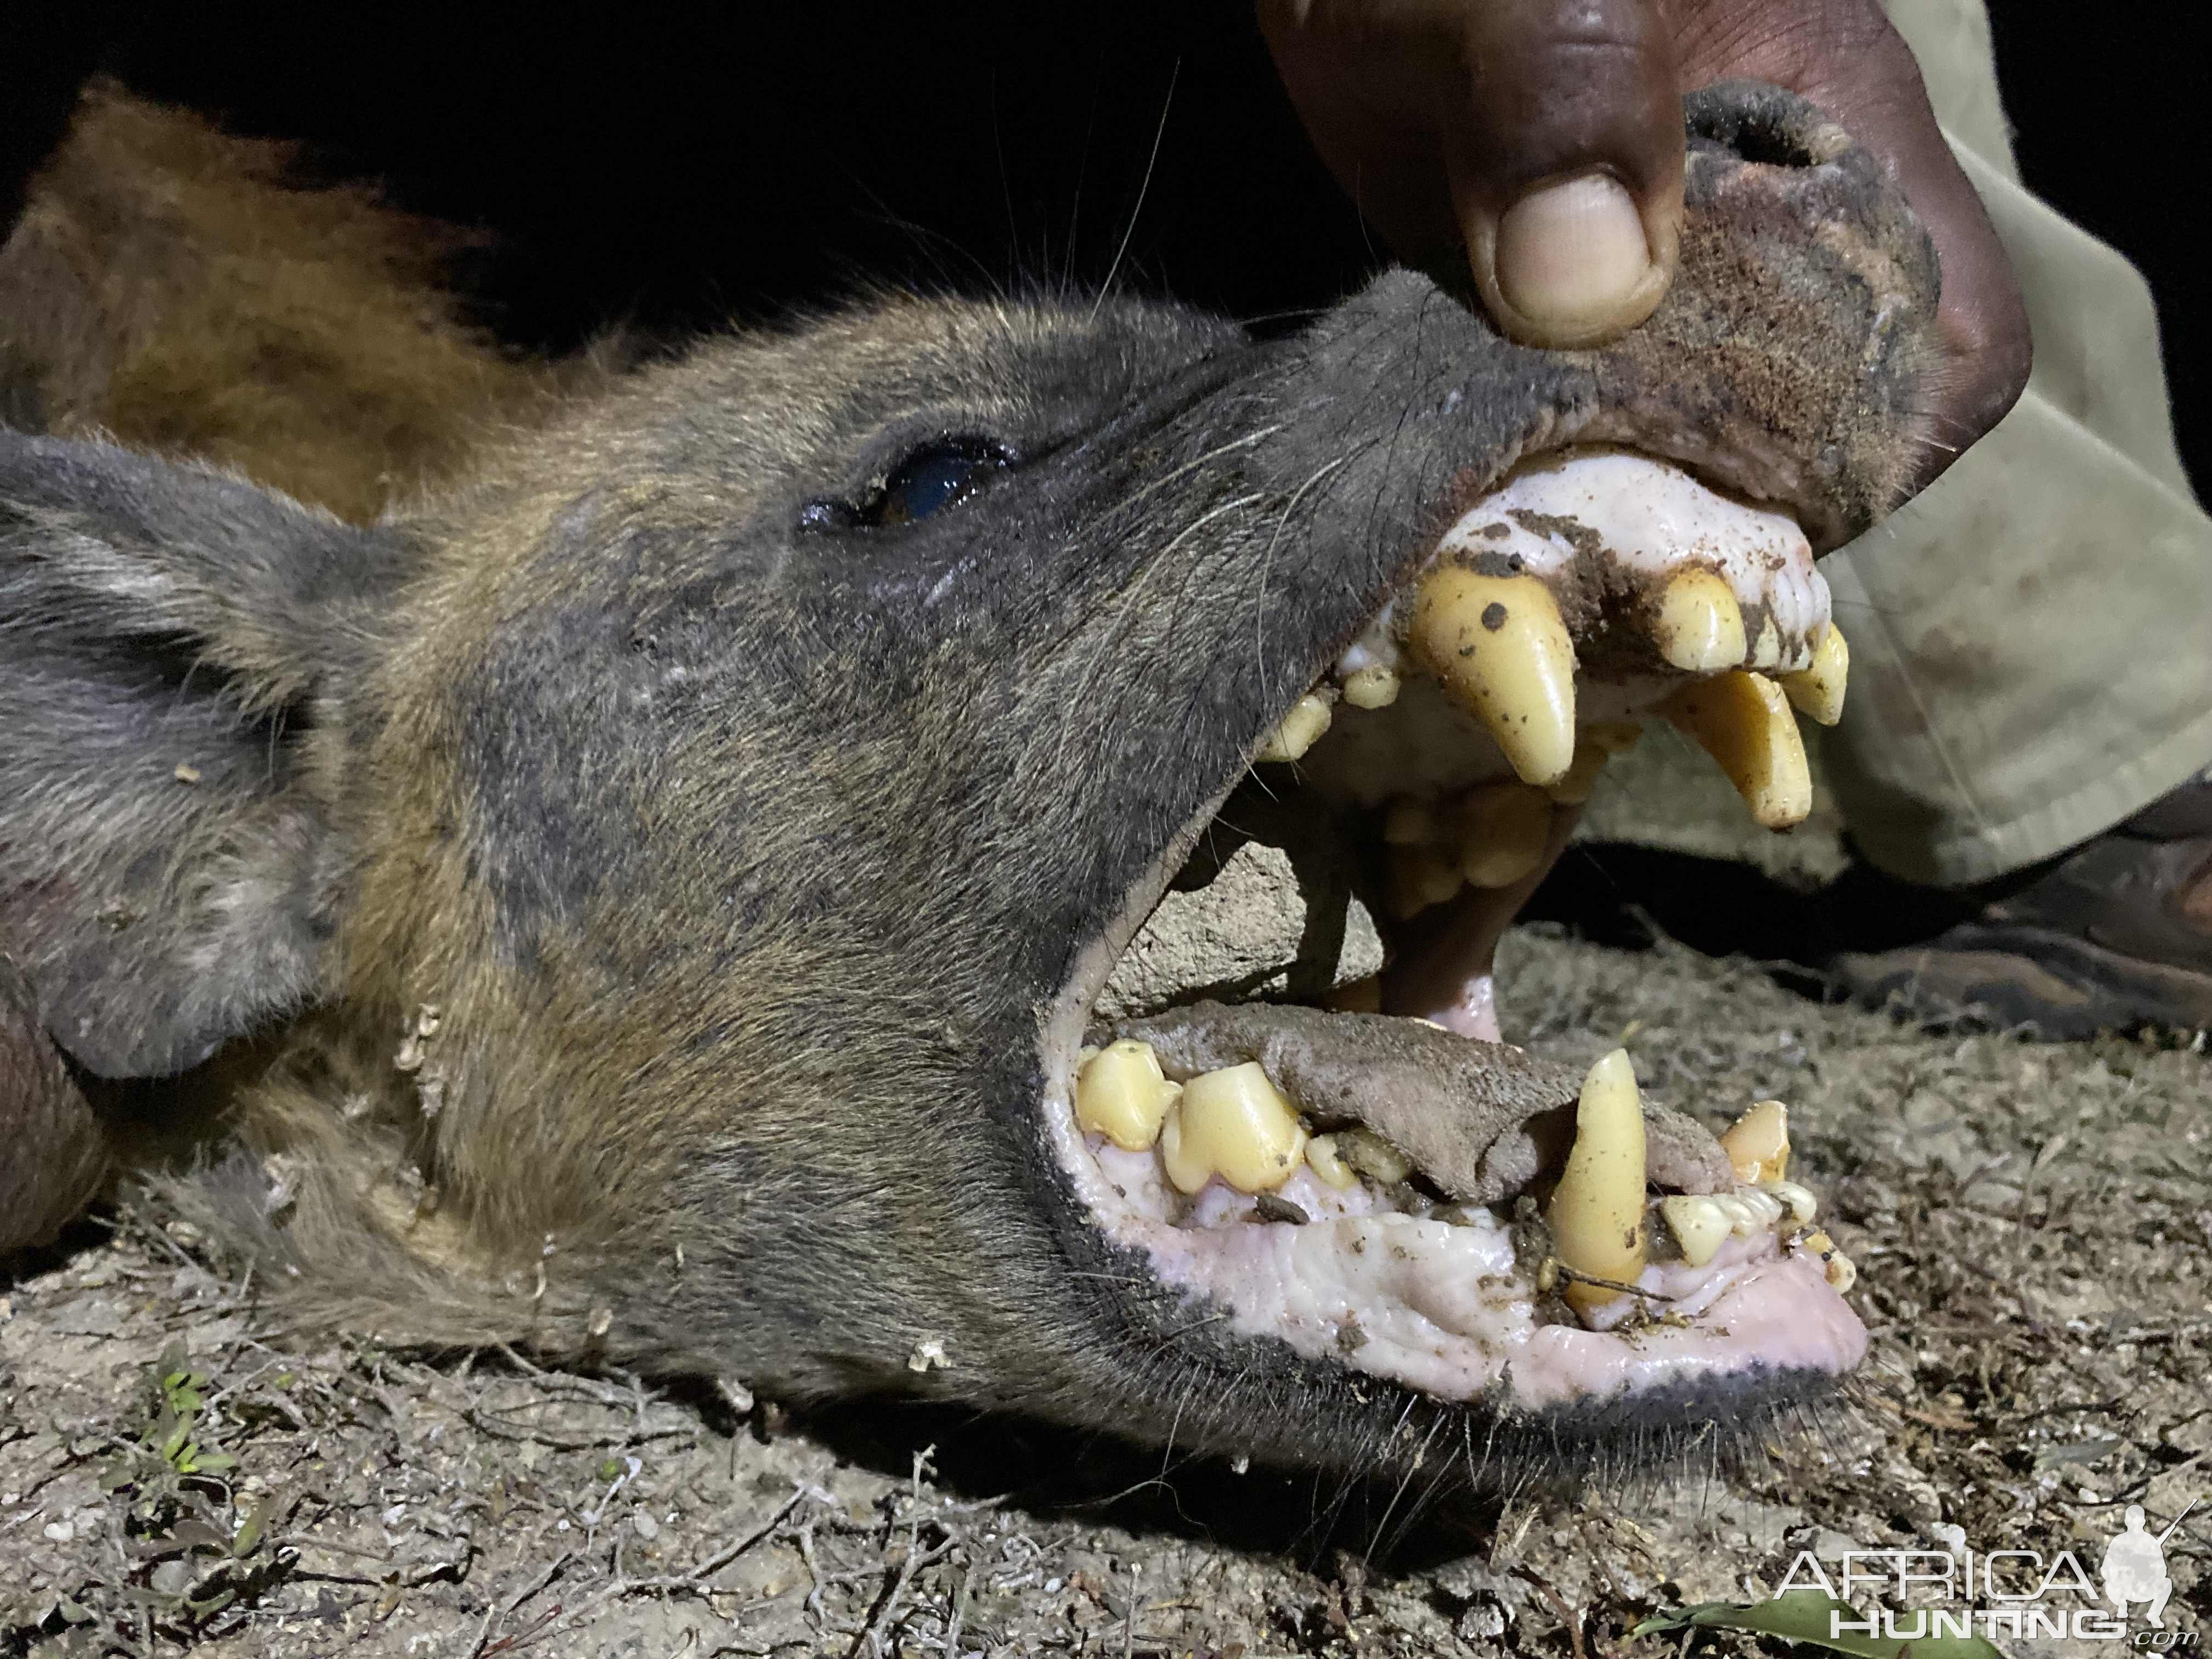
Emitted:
pixel 1482 1121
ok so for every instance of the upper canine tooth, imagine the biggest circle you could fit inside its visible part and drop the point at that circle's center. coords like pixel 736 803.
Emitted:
pixel 1699 626
pixel 1743 721
pixel 1699 1225
pixel 1506 828
pixel 1816 691
pixel 1122 1094
pixel 1501 648
pixel 1596 1213
pixel 1298 730
pixel 1232 1123
pixel 1375 687
pixel 1757 1143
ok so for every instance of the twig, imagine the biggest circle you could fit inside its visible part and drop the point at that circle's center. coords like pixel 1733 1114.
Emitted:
pixel 517 1599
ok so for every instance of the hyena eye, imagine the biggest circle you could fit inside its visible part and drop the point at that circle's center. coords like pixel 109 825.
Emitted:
pixel 940 474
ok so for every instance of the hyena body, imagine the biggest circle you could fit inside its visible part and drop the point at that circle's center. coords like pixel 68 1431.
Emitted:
pixel 650 897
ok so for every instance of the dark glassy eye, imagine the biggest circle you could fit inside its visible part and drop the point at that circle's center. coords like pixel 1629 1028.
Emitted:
pixel 939 475
pixel 935 476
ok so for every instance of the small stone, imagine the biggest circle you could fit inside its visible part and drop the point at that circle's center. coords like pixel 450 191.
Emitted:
pixel 645 1527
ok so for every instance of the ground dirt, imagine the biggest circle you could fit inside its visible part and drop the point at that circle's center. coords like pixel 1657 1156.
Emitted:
pixel 2033 1230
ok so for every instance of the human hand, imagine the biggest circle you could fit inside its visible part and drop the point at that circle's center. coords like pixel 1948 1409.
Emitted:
pixel 1538 144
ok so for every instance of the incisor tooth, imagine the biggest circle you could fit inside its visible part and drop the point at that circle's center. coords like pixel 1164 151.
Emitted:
pixel 1842 1273
pixel 1766 651
pixel 1759 1210
pixel 1371 688
pixel 1699 1225
pixel 1816 691
pixel 1743 721
pixel 1757 1143
pixel 1122 1094
pixel 1501 648
pixel 1699 626
pixel 1298 730
pixel 1801 1205
pixel 1596 1213
pixel 1231 1123
pixel 1504 827
pixel 1321 1159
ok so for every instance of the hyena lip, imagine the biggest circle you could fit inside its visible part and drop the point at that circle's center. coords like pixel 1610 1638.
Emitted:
pixel 1295 1213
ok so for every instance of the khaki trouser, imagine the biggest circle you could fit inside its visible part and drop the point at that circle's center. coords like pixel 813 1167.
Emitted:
pixel 2032 638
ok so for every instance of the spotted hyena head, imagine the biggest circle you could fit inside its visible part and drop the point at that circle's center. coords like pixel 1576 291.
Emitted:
pixel 957 849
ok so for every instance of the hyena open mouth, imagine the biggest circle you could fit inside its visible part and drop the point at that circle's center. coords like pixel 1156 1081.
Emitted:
pixel 1365 1176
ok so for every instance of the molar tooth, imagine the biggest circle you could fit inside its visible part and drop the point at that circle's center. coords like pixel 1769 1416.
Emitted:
pixel 1743 721
pixel 1321 1157
pixel 1298 730
pixel 1122 1094
pixel 1699 1225
pixel 1504 827
pixel 1596 1213
pixel 1816 691
pixel 1801 1205
pixel 1421 877
pixel 1757 1143
pixel 1698 625
pixel 1375 687
pixel 1411 823
pixel 1373 1156
pixel 1235 1124
pixel 1501 648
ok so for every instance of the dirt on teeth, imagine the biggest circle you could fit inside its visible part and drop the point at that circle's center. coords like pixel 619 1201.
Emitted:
pixel 1236 1150
pixel 1589 591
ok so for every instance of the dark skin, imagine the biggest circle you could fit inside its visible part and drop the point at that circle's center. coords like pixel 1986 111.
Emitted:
pixel 1529 141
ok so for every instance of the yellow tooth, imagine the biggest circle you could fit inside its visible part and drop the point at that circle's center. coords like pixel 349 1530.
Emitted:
pixel 1699 626
pixel 1699 1225
pixel 1596 1213
pixel 1575 788
pixel 1756 1211
pixel 1766 651
pixel 1321 1159
pixel 1504 829
pixel 1299 731
pixel 1742 720
pixel 1842 1272
pixel 1816 691
pixel 1122 1094
pixel 1421 877
pixel 1757 1143
pixel 1411 823
pixel 1371 688
pixel 1500 647
pixel 1232 1123
pixel 1799 1201
pixel 1373 1156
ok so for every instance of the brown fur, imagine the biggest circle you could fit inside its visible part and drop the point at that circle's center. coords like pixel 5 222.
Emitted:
pixel 651 886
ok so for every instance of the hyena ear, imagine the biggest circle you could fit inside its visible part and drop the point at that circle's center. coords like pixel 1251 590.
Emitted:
pixel 175 647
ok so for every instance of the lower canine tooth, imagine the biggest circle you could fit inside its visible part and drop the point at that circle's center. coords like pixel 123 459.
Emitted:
pixel 1699 626
pixel 1371 688
pixel 1743 721
pixel 1501 648
pixel 1235 1124
pixel 1596 1213
pixel 1699 1225
pixel 1506 827
pixel 1816 691
pixel 1299 731
pixel 1122 1094
pixel 1757 1143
